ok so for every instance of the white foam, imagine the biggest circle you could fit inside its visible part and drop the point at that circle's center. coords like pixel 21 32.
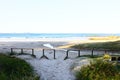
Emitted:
pixel 48 45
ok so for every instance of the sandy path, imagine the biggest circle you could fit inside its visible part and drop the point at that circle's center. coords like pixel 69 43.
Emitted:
pixel 54 69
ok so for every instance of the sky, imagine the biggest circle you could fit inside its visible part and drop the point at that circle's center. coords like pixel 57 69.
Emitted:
pixel 59 16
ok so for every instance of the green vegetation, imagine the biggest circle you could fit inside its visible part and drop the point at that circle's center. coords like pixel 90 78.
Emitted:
pixel 100 45
pixel 15 69
pixel 99 70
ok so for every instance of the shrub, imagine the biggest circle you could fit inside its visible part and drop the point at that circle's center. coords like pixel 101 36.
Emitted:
pixel 99 70
pixel 15 69
pixel 106 56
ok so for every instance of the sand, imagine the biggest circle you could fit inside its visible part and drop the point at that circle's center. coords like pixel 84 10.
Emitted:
pixel 90 40
pixel 56 42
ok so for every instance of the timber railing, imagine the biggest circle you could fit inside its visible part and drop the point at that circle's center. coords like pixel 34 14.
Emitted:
pixel 22 50
pixel 43 55
pixel 67 51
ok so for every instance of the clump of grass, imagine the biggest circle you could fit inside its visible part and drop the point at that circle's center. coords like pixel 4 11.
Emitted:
pixel 115 45
pixel 15 69
pixel 99 70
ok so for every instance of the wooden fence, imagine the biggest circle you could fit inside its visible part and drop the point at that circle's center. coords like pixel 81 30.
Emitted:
pixel 67 51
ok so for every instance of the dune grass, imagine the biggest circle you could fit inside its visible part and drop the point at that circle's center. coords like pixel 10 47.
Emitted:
pixel 115 45
pixel 15 69
pixel 99 70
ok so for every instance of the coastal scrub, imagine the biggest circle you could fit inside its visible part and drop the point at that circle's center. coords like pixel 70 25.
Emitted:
pixel 15 69
pixel 99 70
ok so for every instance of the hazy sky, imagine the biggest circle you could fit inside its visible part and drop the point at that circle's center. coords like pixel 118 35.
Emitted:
pixel 60 16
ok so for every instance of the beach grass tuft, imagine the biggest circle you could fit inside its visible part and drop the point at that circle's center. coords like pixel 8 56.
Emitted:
pixel 12 68
pixel 99 70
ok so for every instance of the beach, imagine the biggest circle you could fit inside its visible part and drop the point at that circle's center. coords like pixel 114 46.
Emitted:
pixel 56 42
pixel 49 69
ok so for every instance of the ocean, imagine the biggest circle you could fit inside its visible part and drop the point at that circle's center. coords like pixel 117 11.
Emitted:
pixel 52 35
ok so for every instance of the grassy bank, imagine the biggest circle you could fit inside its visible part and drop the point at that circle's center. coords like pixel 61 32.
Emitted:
pixel 99 45
pixel 99 70
pixel 15 69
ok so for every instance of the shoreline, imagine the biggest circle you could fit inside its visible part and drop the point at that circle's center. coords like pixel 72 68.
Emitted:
pixel 59 43
pixel 67 39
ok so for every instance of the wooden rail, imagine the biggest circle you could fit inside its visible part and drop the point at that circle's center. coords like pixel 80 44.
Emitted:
pixel 22 50
pixel 67 52
pixel 115 58
pixel 43 56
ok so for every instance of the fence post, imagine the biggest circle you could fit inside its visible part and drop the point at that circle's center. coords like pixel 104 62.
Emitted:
pixel 11 50
pixel 43 52
pixel 66 55
pixel 105 51
pixel 78 53
pixel 32 51
pixel 54 54
pixel 43 56
pixel 12 53
pixel 92 52
pixel 21 51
